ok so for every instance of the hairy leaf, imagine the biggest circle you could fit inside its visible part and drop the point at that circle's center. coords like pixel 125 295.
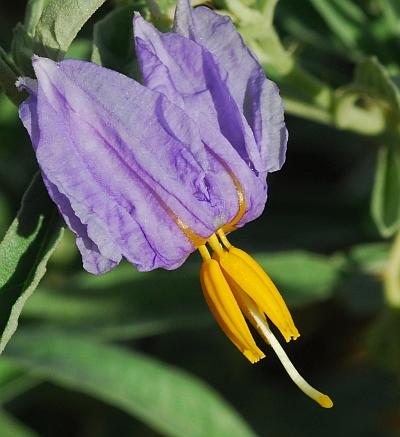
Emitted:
pixel 33 12
pixel 24 253
pixel 167 399
pixel 59 24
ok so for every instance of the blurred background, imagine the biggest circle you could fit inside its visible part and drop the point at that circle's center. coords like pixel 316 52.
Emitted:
pixel 128 353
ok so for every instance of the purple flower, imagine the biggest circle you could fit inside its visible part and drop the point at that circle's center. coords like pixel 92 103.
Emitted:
pixel 153 172
pixel 124 162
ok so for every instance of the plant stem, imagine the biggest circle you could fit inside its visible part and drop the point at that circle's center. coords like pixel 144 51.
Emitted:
pixel 307 110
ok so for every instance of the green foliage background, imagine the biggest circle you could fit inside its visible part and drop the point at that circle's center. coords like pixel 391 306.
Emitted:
pixel 138 354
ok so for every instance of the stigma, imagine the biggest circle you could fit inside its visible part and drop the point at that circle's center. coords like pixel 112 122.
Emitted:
pixel 236 288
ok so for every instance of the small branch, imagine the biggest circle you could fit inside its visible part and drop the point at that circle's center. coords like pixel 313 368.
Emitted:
pixel 307 111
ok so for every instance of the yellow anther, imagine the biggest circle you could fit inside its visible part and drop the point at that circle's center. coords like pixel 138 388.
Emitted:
pixel 242 274
pixel 226 310
pixel 270 286
pixel 247 305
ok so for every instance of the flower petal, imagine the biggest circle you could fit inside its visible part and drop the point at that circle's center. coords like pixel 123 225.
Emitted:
pixel 93 260
pixel 129 162
pixel 254 93
pixel 187 74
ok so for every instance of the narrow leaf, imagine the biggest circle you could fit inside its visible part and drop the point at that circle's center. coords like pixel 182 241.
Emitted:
pixel 113 41
pixel 24 253
pixel 302 277
pixel 346 23
pixel 385 204
pixel 370 258
pixel 22 49
pixel 383 340
pixel 11 427
pixel 33 12
pixel 59 24
pixel 120 305
pixel 391 13
pixel 169 400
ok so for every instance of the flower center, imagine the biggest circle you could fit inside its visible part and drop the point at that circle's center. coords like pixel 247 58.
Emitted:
pixel 198 241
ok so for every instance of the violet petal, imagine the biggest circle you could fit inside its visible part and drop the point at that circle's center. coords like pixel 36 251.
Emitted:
pixel 124 156
pixel 254 93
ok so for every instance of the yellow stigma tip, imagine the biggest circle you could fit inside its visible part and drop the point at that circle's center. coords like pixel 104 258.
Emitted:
pixel 325 401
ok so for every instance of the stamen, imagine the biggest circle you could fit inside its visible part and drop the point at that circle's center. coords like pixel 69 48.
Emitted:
pixel 224 240
pixel 205 254
pixel 243 274
pixel 215 244
pixel 262 327
pixel 273 292
pixel 226 310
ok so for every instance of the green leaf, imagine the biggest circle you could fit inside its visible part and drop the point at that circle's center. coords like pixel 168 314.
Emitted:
pixel 169 400
pixel 385 203
pixel 59 24
pixel 33 12
pixel 346 21
pixel 372 78
pixel 80 49
pixel 22 45
pixel 361 290
pixel 164 7
pixel 383 341
pixel 391 14
pixel 370 258
pixel 17 386
pixel 121 304
pixel 245 14
pixel 113 41
pixel 22 49
pixel 302 277
pixel 24 253
pixel 11 427
pixel 14 382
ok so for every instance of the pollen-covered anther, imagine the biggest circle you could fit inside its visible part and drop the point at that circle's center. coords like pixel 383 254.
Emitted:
pixel 225 309
pixel 244 273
